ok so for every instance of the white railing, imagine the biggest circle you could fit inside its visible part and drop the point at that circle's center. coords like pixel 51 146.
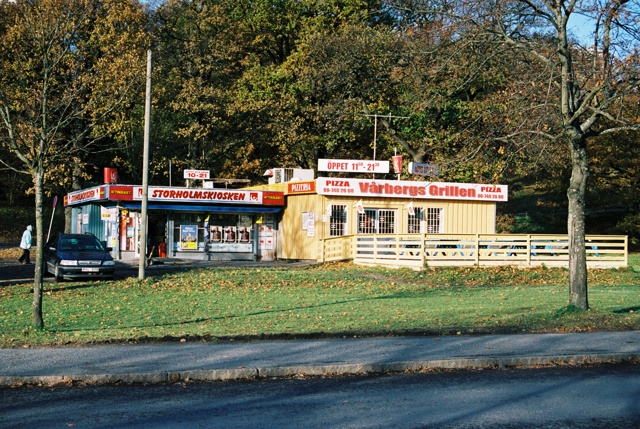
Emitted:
pixel 421 250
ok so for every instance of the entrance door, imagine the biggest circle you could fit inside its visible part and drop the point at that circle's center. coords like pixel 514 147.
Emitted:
pixel 129 231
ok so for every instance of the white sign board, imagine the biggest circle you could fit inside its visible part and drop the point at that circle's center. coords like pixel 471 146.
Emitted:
pixel 414 190
pixel 196 174
pixel 200 195
pixel 353 166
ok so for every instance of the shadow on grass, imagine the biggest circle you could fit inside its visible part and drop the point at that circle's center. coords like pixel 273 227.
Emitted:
pixel 567 311
pixel 400 295
pixel 627 310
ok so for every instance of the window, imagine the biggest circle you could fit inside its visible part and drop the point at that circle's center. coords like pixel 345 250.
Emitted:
pixel 229 228
pixel 189 226
pixel 338 221
pixel 435 223
pixel 429 220
pixel 377 221
pixel 415 221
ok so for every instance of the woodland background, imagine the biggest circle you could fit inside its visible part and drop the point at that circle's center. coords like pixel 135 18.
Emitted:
pixel 242 86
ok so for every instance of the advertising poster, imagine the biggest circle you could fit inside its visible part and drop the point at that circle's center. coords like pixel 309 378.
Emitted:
pixel 215 233
pixel 230 234
pixel 188 237
pixel 244 234
pixel 266 243
pixel 266 230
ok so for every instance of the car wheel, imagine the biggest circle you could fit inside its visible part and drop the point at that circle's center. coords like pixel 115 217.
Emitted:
pixel 57 274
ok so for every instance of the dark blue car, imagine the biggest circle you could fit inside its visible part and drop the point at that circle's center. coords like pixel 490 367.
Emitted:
pixel 78 256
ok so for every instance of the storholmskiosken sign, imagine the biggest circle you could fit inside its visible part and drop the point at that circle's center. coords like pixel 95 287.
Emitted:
pixel 175 195
pixel 233 196
pixel 408 189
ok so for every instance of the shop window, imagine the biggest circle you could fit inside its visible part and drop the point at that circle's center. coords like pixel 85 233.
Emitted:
pixel 435 220
pixel 377 221
pixel 425 220
pixel 227 232
pixel 338 221
pixel 415 221
pixel 189 231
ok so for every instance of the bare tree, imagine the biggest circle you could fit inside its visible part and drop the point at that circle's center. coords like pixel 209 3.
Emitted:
pixel 588 77
pixel 63 63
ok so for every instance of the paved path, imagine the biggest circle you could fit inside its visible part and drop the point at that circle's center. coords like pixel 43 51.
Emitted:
pixel 163 362
pixel 12 272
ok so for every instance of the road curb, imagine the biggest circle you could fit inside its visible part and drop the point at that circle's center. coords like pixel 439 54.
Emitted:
pixel 321 370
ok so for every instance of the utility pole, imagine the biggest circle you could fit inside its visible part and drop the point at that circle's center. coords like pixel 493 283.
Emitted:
pixel 145 173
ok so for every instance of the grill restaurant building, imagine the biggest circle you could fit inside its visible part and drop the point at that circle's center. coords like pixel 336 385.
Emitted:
pixel 333 207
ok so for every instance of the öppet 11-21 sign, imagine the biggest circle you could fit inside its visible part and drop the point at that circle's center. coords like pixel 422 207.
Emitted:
pixel 353 166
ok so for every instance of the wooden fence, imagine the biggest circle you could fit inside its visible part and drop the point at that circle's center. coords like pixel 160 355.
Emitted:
pixel 422 250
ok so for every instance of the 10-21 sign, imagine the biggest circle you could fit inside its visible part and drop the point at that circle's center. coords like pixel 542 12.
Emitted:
pixel 196 174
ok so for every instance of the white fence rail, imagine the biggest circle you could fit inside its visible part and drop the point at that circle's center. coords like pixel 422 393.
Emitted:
pixel 421 250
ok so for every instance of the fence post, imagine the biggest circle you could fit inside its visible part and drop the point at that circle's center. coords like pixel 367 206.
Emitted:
pixel 397 248
pixel 477 250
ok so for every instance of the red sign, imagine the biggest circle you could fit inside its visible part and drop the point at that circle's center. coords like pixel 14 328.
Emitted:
pixel 306 187
pixel 397 164
pixel 121 193
pixel 271 198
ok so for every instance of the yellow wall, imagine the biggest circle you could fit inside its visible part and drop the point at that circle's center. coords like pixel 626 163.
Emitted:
pixel 295 242
pixel 460 217
pixel 468 217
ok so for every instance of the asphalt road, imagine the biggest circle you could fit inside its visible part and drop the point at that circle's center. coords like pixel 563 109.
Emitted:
pixel 570 397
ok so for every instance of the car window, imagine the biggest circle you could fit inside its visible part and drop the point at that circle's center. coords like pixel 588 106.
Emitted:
pixel 66 244
pixel 89 244
pixel 80 243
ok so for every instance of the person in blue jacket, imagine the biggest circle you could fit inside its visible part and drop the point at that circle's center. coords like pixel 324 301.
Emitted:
pixel 25 245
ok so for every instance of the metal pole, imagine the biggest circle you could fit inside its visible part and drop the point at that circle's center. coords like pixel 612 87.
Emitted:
pixel 145 173
pixel 55 203
pixel 375 135
pixel 375 130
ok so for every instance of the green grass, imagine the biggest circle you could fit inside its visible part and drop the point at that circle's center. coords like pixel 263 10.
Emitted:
pixel 634 262
pixel 332 299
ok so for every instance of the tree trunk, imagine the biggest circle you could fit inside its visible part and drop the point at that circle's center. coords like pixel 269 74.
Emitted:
pixel 36 307
pixel 576 222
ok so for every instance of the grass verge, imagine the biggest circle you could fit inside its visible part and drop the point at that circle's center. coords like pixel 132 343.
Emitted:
pixel 325 300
